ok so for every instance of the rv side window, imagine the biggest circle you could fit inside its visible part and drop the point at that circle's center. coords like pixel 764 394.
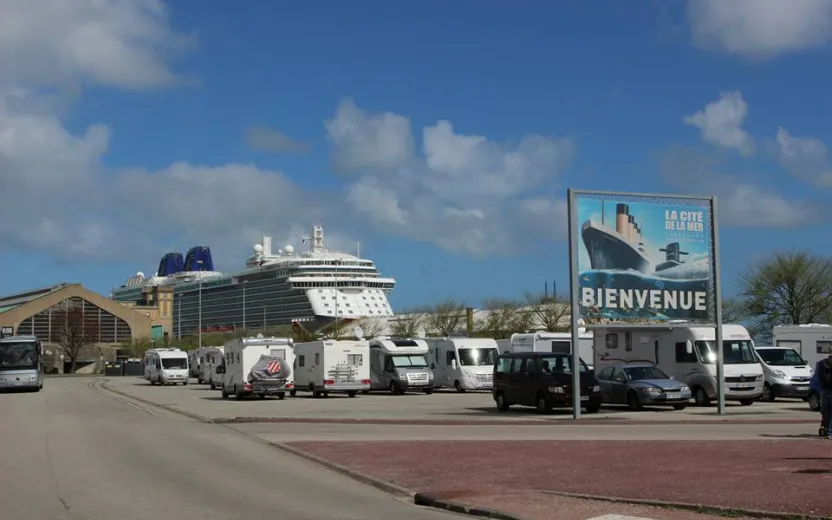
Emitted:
pixel 317 358
pixel 824 347
pixel 682 355
pixel 503 365
pixel 355 360
pixel 628 341
pixel 301 360
pixel 611 340
pixel 450 356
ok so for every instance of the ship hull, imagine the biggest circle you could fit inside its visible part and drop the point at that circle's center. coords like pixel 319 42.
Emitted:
pixel 609 252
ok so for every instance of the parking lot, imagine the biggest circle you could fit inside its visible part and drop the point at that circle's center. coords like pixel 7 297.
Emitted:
pixel 444 406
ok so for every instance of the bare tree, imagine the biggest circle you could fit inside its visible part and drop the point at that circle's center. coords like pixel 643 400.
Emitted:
pixel 733 310
pixel 501 318
pixel 550 312
pixel 371 327
pixel 446 317
pixel 72 332
pixel 408 323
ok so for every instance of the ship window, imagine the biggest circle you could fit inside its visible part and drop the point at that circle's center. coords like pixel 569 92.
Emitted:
pixel 326 305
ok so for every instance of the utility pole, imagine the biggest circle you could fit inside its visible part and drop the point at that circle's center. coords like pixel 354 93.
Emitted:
pixel 200 314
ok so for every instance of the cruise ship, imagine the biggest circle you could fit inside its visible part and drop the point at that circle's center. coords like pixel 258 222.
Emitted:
pixel 316 286
pixel 621 248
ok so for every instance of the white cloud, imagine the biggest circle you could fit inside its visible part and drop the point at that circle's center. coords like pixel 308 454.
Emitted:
pixel 805 157
pixel 721 122
pixel 463 193
pixel 265 139
pixel 760 28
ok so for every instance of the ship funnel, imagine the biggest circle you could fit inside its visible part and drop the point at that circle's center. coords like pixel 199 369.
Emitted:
pixel 267 246
pixel 632 234
pixel 621 221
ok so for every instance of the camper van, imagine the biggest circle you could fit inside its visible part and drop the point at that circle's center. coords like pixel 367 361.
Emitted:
pixel 463 363
pixel 258 366
pixel 166 366
pixel 332 365
pixel 400 365
pixel 20 362
pixel 212 359
pixel 687 353
pixel 554 342
pixel 194 363
pixel 812 341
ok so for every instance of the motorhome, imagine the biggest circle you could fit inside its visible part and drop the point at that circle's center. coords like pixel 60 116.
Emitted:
pixel 20 363
pixel 687 353
pixel 194 362
pixel 813 341
pixel 555 342
pixel 399 365
pixel 166 366
pixel 327 366
pixel 785 372
pixel 258 366
pixel 212 359
pixel 463 363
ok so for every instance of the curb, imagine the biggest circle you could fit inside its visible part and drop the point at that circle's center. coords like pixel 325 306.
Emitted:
pixel 425 499
pixel 485 422
pixel 684 506
pixel 169 408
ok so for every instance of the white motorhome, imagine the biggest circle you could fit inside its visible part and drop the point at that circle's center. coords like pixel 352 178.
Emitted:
pixel 194 363
pixel 813 341
pixel 258 366
pixel 687 353
pixel 331 365
pixel 786 373
pixel 166 366
pixel 463 363
pixel 555 342
pixel 399 365
pixel 212 358
pixel 504 345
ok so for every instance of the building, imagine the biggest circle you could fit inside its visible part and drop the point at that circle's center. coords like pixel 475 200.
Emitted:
pixel 157 303
pixel 44 312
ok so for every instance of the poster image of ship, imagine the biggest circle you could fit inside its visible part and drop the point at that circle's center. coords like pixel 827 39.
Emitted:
pixel 644 259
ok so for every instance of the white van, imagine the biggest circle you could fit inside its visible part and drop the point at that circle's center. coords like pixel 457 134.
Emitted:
pixel 813 341
pixel 787 374
pixel 463 363
pixel 330 365
pixel 555 342
pixel 687 353
pixel 212 359
pixel 166 366
pixel 399 365
pixel 258 366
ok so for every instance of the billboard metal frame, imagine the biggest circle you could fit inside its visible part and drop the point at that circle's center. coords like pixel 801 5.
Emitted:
pixel 574 286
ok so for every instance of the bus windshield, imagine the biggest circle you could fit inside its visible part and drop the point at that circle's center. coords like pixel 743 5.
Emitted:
pixel 18 355
pixel 734 352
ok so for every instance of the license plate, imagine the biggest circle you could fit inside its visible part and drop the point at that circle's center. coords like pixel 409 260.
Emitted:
pixel 673 396
pixel 744 385
pixel 584 398
pixel 802 388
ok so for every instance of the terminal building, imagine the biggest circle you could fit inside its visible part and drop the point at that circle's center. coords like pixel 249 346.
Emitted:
pixel 102 323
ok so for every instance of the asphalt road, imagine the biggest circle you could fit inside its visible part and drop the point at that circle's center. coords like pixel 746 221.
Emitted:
pixel 74 452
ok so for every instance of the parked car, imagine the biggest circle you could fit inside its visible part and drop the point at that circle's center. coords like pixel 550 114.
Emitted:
pixel 786 373
pixel 639 384
pixel 542 380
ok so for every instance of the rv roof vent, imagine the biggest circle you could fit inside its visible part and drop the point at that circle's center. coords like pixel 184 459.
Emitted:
pixel 405 343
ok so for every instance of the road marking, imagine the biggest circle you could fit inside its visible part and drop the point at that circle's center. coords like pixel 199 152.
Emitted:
pixel 619 517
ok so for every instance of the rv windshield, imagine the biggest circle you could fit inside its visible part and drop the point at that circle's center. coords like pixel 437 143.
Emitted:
pixel 781 357
pixel 734 352
pixel 173 363
pixel 477 357
pixel 409 361
pixel 18 355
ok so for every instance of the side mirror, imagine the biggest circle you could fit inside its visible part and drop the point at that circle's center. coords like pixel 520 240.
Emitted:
pixel 688 346
pixel 453 364
pixel 433 366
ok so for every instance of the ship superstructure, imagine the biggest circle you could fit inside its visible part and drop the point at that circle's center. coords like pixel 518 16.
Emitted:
pixel 316 286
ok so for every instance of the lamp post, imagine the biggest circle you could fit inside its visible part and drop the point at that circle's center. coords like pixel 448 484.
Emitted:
pixel 200 314
pixel 244 305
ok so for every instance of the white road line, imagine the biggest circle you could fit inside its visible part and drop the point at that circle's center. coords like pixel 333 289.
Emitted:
pixel 619 517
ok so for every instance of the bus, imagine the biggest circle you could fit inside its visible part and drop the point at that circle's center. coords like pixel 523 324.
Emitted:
pixel 20 363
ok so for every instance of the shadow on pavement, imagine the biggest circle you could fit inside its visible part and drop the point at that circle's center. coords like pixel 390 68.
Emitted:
pixel 789 436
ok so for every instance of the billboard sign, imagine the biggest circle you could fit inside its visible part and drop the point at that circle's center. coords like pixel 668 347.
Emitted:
pixel 643 258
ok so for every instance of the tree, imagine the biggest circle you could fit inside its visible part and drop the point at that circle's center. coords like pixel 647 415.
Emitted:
pixel 72 332
pixel 371 327
pixel 502 318
pixel 408 323
pixel 446 317
pixel 549 312
pixel 734 310
pixel 789 288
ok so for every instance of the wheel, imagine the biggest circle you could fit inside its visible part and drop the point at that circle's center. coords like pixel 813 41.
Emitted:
pixel 768 393
pixel 199 380
pixel 814 401
pixel 427 390
pixel 593 408
pixel 238 393
pixel 632 401
pixel 543 405
pixel 502 405
pixel 325 393
pixel 213 386
pixel 746 402
pixel 458 386
pixel 224 392
pixel 317 394
pixel 293 393
pixel 679 406
pixel 281 396
pixel 394 387
pixel 352 393
pixel 261 395
pixel 185 383
pixel 701 397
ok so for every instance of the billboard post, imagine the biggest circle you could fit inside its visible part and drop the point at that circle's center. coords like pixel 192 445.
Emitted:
pixel 574 313
pixel 641 258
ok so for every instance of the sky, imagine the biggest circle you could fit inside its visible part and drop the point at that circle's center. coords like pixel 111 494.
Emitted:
pixel 441 136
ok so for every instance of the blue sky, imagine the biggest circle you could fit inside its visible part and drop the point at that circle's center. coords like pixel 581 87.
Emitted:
pixel 442 136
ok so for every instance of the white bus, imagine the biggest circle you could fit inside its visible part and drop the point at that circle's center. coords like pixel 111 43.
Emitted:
pixel 20 363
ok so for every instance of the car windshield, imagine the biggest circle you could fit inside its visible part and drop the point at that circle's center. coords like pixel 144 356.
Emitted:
pixel 17 356
pixel 410 361
pixel 734 352
pixel 781 357
pixel 641 373
pixel 175 363
pixel 477 356
pixel 560 364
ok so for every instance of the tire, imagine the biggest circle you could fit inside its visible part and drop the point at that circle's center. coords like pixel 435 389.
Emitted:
pixel 746 402
pixel 352 393
pixel 185 383
pixel 543 405
pixel 679 407
pixel 458 387
pixel 238 393
pixel 632 401
pixel 428 391
pixel 593 408
pixel 768 394
pixel 293 393
pixel 224 392
pixel 700 397
pixel 281 396
pixel 814 401
pixel 394 388
pixel 502 405
pixel 261 396
pixel 317 394
pixel 213 386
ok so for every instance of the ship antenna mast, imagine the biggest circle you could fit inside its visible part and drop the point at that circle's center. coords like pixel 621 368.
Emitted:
pixel 318 244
